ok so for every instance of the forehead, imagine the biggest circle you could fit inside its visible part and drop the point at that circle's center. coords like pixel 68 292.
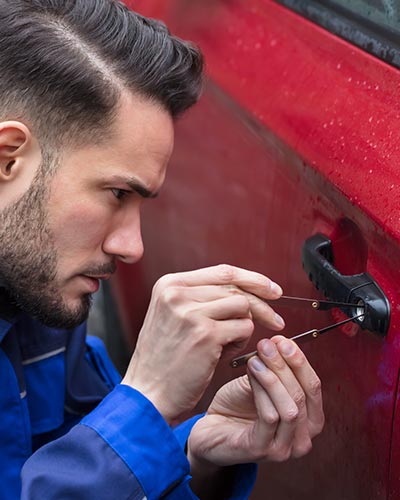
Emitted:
pixel 143 124
pixel 141 137
pixel 138 145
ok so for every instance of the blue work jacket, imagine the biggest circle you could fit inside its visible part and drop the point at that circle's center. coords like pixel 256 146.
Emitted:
pixel 76 433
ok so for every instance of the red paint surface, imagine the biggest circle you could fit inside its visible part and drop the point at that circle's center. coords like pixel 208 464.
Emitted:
pixel 299 135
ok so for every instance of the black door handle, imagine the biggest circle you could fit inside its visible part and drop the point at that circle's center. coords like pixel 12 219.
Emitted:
pixel 318 259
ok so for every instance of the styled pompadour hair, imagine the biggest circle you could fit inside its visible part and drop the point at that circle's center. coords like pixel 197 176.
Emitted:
pixel 64 64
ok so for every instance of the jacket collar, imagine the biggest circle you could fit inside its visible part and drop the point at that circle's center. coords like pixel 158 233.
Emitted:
pixel 8 309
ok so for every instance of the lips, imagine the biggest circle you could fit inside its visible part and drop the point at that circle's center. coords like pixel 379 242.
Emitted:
pixel 104 277
pixel 91 283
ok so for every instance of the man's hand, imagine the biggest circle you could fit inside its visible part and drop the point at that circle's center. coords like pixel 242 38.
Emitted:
pixel 194 318
pixel 272 413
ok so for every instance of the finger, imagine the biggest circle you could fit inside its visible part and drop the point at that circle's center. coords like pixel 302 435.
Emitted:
pixel 268 416
pixel 309 381
pixel 234 306
pixel 235 333
pixel 249 306
pixel 223 274
pixel 273 359
pixel 244 304
pixel 264 314
pixel 284 404
pixel 207 293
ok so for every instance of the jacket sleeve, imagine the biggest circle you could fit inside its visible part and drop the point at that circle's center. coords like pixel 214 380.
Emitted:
pixel 124 450
pixel 241 478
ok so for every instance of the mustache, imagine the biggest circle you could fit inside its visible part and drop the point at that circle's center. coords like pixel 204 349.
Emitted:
pixel 100 269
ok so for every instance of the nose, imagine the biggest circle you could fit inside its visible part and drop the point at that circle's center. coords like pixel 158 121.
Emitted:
pixel 124 241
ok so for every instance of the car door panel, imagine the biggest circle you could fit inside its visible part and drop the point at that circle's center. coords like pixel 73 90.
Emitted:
pixel 296 134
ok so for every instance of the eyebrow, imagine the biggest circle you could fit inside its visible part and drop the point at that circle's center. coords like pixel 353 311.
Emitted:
pixel 140 189
pixel 135 185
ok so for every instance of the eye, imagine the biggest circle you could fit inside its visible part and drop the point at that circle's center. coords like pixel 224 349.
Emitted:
pixel 120 193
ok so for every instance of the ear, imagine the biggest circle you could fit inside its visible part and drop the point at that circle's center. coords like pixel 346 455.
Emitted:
pixel 17 149
pixel 20 157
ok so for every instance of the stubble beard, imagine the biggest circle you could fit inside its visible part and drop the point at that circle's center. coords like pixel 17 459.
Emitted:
pixel 28 259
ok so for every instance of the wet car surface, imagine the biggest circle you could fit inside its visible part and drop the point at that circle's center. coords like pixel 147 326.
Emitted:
pixel 297 134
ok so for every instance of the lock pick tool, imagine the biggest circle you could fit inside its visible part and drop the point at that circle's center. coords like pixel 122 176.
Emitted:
pixel 321 305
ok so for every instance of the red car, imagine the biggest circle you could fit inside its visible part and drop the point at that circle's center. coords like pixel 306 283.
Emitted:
pixel 290 166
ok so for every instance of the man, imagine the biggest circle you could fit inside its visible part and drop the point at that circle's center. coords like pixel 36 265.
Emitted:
pixel 89 94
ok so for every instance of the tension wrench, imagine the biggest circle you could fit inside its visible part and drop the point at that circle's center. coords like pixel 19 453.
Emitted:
pixel 242 360
pixel 319 305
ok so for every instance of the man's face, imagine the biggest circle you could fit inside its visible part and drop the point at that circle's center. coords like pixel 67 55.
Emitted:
pixel 69 229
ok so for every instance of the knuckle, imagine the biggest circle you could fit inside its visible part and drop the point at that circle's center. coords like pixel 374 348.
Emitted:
pixel 202 332
pixel 300 399
pixel 298 360
pixel 247 327
pixel 302 449
pixel 226 273
pixel 315 387
pixel 291 415
pixel 183 316
pixel 283 454
pixel 271 417
pixel 170 295
pixel 163 282
pixel 259 454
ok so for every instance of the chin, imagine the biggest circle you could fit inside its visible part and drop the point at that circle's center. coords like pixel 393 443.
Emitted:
pixel 68 314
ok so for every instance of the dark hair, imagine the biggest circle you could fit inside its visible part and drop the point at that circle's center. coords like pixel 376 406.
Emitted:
pixel 64 63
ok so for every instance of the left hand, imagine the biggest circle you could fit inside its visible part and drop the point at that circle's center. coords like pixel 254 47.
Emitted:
pixel 270 414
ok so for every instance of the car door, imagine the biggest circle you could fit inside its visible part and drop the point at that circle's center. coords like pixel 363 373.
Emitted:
pixel 297 134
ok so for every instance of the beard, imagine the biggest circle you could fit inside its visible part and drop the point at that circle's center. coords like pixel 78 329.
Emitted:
pixel 29 260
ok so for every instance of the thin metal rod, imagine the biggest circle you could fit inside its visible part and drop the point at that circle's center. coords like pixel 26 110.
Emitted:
pixel 314 333
pixel 331 327
pixel 242 360
pixel 315 303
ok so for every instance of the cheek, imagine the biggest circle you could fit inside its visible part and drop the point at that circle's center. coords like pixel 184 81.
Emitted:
pixel 79 227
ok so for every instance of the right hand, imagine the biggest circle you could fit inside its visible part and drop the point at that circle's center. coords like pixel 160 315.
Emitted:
pixel 193 318
pixel 270 414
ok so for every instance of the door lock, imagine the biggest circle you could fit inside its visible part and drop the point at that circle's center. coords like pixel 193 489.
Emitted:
pixel 362 289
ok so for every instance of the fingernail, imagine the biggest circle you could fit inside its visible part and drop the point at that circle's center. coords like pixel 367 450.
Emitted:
pixel 276 289
pixel 268 348
pixel 257 364
pixel 279 320
pixel 287 347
